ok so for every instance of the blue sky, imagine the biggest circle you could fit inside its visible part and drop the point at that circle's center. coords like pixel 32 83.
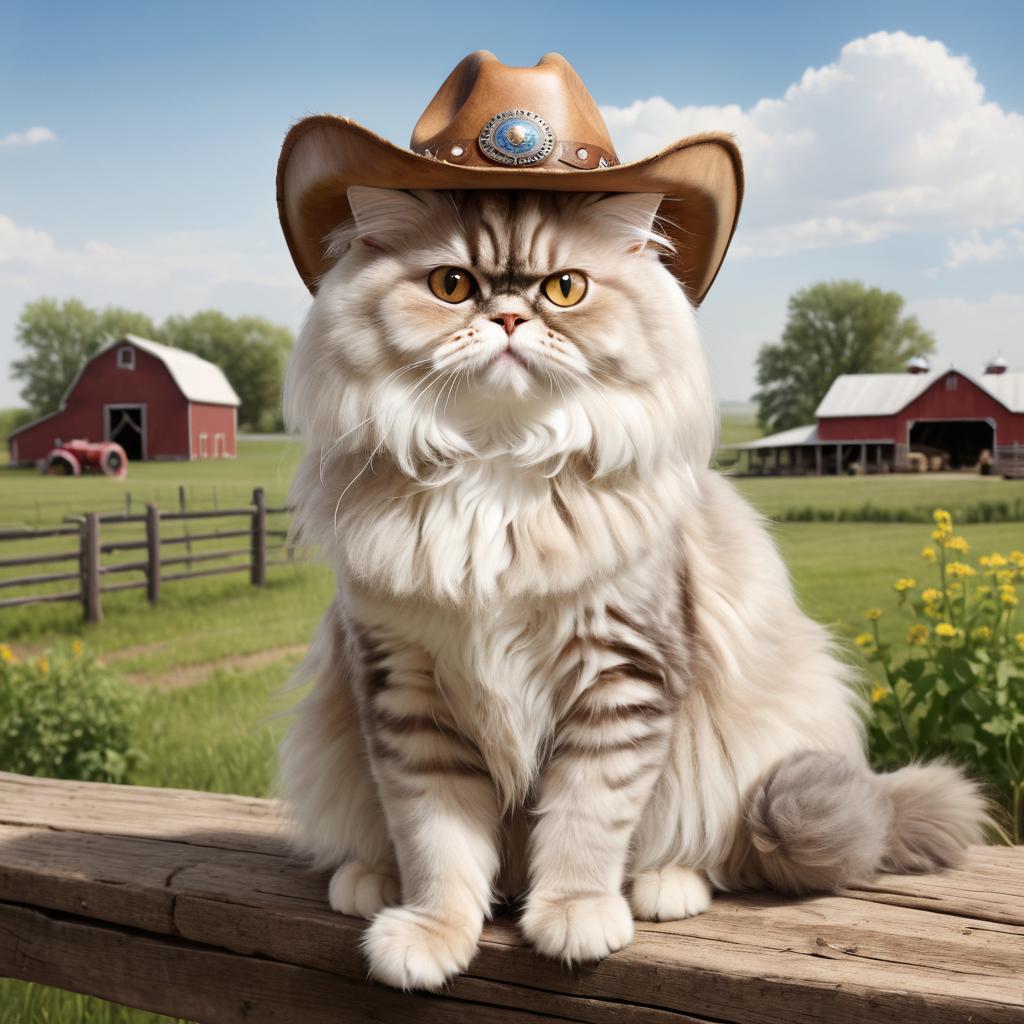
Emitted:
pixel 897 161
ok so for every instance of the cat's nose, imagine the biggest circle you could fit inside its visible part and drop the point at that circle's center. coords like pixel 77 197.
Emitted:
pixel 510 321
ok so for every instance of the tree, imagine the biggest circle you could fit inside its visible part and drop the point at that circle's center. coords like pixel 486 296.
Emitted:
pixel 251 351
pixel 833 327
pixel 57 338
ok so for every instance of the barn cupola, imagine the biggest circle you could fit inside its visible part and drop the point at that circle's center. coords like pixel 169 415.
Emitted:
pixel 918 365
pixel 997 365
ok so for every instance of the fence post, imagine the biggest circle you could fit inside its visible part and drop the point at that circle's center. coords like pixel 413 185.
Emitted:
pixel 91 568
pixel 153 553
pixel 258 573
pixel 182 504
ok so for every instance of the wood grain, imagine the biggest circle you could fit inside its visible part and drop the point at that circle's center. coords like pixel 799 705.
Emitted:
pixel 205 887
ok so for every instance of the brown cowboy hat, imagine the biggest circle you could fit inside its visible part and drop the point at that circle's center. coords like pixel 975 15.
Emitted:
pixel 498 127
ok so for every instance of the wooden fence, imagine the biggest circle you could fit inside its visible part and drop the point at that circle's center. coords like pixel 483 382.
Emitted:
pixel 191 904
pixel 99 561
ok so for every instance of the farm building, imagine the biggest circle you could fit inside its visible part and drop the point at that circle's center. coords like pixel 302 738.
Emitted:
pixel 923 419
pixel 155 401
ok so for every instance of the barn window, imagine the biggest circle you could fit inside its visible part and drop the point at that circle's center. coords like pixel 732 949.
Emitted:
pixel 951 382
pixel 204 446
pixel 126 358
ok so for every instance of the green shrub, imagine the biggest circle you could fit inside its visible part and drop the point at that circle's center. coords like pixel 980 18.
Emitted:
pixel 953 685
pixel 63 716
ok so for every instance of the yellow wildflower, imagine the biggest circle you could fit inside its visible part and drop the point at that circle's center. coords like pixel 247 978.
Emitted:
pixel 1020 640
pixel 993 561
pixel 981 633
pixel 878 693
pixel 929 555
pixel 955 589
pixel 864 640
pixel 1009 597
pixel 44 664
pixel 903 584
pixel 959 570
pixel 942 517
pixel 918 634
pixel 957 544
pixel 874 614
pixel 6 654
pixel 77 647
pixel 1017 557
pixel 931 596
pixel 933 611
pixel 1005 576
pixel 982 591
pixel 946 630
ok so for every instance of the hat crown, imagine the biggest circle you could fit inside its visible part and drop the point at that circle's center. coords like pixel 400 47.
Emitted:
pixel 481 87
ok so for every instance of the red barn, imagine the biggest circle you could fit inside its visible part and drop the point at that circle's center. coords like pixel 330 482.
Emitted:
pixel 155 401
pixel 875 421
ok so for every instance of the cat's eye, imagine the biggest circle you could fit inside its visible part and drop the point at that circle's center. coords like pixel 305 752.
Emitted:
pixel 566 288
pixel 451 284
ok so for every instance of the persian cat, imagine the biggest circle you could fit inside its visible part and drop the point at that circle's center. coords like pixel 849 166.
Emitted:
pixel 564 664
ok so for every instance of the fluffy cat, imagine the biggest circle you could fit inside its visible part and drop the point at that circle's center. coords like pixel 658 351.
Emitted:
pixel 564 662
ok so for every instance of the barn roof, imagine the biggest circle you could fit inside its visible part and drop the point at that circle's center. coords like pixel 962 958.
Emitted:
pixel 884 394
pixel 792 438
pixel 199 379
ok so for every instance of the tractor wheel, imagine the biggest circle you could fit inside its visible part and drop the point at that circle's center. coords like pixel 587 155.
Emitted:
pixel 113 460
pixel 62 463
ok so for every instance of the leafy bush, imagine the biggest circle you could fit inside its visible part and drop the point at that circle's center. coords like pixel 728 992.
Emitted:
pixel 953 685
pixel 63 716
pixel 977 512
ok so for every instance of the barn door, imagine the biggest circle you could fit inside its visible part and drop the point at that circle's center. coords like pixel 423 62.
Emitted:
pixel 125 426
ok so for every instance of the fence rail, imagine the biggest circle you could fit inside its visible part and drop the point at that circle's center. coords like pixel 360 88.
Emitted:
pixel 95 575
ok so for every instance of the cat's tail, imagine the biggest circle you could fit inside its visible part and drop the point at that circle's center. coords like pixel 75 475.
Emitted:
pixel 818 822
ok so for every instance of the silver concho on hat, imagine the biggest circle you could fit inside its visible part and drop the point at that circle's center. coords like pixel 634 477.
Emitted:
pixel 517 138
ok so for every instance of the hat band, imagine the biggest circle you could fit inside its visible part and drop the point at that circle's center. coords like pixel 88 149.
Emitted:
pixel 583 156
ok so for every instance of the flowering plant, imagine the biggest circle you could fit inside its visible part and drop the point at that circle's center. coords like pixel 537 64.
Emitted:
pixel 64 716
pixel 954 685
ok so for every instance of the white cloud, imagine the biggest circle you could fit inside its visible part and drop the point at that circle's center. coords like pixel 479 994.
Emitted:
pixel 177 272
pixel 977 249
pixel 32 137
pixel 895 136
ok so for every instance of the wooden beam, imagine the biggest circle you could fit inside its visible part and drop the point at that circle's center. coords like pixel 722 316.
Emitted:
pixel 189 903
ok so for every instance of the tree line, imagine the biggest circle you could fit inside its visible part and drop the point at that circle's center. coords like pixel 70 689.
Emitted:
pixel 56 338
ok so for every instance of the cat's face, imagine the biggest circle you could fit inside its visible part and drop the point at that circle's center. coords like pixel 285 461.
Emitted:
pixel 456 307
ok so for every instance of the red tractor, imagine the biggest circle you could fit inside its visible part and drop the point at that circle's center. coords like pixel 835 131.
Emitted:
pixel 73 458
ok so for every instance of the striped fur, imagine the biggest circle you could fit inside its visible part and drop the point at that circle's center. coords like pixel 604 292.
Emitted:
pixel 564 662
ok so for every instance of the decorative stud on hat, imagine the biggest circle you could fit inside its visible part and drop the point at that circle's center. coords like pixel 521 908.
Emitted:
pixel 491 126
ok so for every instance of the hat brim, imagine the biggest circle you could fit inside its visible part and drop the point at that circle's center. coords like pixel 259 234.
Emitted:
pixel 701 178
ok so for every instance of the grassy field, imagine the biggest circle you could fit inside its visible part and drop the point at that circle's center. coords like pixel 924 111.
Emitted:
pixel 214 655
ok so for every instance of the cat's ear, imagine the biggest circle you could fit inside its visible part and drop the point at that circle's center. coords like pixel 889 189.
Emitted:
pixel 632 217
pixel 385 217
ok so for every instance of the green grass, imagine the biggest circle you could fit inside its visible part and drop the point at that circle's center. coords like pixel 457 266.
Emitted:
pixel 918 493
pixel 842 569
pixel 27 498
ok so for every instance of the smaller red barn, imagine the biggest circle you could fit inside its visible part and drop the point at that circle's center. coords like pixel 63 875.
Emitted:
pixel 155 401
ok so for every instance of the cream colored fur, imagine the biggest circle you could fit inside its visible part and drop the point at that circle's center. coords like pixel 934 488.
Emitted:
pixel 565 659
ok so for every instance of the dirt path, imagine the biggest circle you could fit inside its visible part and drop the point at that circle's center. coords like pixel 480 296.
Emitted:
pixel 192 675
pixel 178 675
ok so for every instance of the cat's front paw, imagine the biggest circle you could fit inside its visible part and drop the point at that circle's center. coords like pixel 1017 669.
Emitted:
pixel 409 948
pixel 362 891
pixel 577 928
pixel 669 894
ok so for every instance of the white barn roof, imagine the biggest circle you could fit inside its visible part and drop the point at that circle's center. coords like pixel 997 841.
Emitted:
pixel 199 379
pixel 884 394
pixel 792 438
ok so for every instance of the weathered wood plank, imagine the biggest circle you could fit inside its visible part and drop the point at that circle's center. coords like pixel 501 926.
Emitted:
pixel 215 872
pixel 208 985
